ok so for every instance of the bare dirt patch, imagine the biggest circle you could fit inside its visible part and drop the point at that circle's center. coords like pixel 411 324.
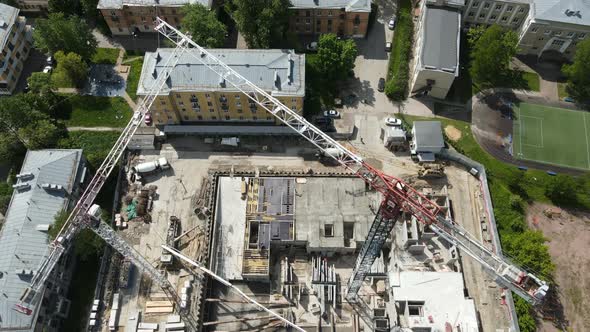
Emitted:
pixel 568 236
pixel 453 133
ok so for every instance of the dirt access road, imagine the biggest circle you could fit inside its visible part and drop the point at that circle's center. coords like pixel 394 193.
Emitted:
pixel 568 239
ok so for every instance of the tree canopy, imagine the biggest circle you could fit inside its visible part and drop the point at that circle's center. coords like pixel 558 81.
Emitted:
pixel 261 22
pixel 335 57
pixel 39 82
pixel 67 34
pixel 491 53
pixel 578 74
pixel 67 7
pixel 71 70
pixel 203 25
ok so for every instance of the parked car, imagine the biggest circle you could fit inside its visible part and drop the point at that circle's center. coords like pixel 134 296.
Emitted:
pixel 27 87
pixel 391 24
pixel 136 117
pixel 148 119
pixel 313 46
pixel 569 99
pixel 49 60
pixel 391 121
pixel 388 47
pixel 332 114
pixel 381 85
pixel 47 69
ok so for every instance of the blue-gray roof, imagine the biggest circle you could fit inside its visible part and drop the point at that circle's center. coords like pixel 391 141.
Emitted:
pixel 22 245
pixel 566 11
pixel 8 16
pixel 279 71
pixel 118 4
pixel 440 49
pixel 349 5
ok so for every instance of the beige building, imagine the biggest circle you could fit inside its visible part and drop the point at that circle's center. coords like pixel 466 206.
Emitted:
pixel 548 29
pixel 15 43
pixel 193 94
pixel 31 6
pixel 127 16
pixel 348 18
pixel 436 64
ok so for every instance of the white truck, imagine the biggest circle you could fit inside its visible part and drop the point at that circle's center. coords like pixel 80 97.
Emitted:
pixel 150 167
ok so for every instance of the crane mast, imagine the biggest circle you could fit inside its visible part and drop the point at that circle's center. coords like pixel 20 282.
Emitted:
pixel 398 197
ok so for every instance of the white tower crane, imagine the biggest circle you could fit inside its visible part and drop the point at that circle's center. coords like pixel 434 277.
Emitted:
pixel 398 197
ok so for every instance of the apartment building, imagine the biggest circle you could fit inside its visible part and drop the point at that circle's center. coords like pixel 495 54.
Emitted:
pixel 15 44
pixel 436 64
pixel 49 182
pixel 548 29
pixel 193 94
pixel 347 18
pixel 125 17
pixel 33 6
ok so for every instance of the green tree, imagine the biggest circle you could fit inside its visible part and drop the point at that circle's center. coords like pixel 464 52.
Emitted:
pixel 39 82
pixel 335 57
pixel 203 25
pixel 491 54
pixel 262 22
pixel 525 314
pixel 562 189
pixel 71 70
pixel 5 196
pixel 59 221
pixel 578 74
pixel 67 7
pixel 89 8
pixel 67 34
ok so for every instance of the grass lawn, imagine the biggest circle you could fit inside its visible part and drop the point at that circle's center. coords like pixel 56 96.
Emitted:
pixel 91 111
pixel 561 90
pixel 532 81
pixel 135 64
pixel 106 56
pixel 552 135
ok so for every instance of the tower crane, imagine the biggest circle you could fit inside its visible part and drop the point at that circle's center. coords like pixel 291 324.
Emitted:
pixel 398 197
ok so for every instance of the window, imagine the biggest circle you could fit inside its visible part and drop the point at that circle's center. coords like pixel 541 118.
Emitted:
pixel 180 103
pixel 329 23
pixel 416 308
pixel 498 7
pixel 329 13
pixel 239 110
pixel 581 35
pixel 241 117
pixel 307 21
pixel 481 16
pixel 199 117
pixel 328 230
pixel 534 30
pixel 558 42
pixel 211 110
pixel 238 104
pixel 570 34
pixel 253 110
pixel 183 109
pixel 169 117
pixel 307 13
pixel 269 118
pixel 486 5
pixel 515 21
pixel 471 14
pixel 207 96
pixel 214 118
pixel 296 20
pixel 547 32
pixel 541 38
pixel 493 17
pixel 521 10
pixel 210 104
pixel 558 33
pixel 509 9
pixel 504 18
pixel 225 109
pixel 475 4
pixel 237 97
pixel 227 117
pixel 162 102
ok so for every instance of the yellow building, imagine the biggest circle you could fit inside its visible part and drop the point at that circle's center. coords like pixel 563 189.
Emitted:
pixel 125 17
pixel 195 94
pixel 15 44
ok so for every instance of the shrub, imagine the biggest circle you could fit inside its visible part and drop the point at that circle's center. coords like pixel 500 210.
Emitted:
pixel 396 86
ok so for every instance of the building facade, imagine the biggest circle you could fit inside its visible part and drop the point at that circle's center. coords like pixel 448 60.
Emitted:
pixel 193 94
pixel 125 17
pixel 346 18
pixel 549 29
pixel 437 48
pixel 15 44
pixel 32 6
pixel 49 181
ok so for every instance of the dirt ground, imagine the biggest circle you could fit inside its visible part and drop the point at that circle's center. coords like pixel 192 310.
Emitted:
pixel 453 133
pixel 568 238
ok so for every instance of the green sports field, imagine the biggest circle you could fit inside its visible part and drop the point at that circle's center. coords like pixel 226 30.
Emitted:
pixel 551 135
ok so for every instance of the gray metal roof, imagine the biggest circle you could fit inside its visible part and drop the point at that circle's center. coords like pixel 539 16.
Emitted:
pixel 566 11
pixel 428 134
pixel 118 4
pixel 440 50
pixel 279 71
pixel 8 16
pixel 349 5
pixel 22 246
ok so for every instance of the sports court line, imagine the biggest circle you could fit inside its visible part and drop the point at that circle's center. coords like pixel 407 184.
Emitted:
pixel 520 133
pixel 586 132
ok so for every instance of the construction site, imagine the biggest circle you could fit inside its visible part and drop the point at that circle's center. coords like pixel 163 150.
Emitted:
pixel 286 230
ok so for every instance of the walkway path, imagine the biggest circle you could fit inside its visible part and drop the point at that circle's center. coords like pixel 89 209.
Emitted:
pixel 94 129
